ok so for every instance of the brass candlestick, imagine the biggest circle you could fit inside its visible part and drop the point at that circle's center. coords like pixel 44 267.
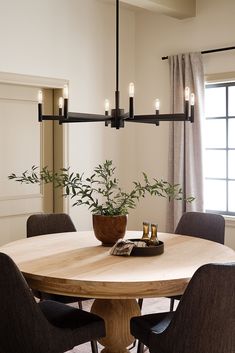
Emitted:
pixel 145 231
pixel 153 241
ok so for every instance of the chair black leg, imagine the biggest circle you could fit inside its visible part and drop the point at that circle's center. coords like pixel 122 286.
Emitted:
pixel 172 304
pixel 140 348
pixel 94 347
pixel 80 304
pixel 133 345
pixel 140 302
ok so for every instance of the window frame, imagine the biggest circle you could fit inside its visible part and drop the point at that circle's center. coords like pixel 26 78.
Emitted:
pixel 226 149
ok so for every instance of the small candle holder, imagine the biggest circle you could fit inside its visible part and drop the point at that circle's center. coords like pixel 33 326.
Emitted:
pixel 145 231
pixel 153 241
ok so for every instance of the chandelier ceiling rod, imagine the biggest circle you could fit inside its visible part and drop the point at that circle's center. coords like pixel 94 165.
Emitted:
pixel 117 45
pixel 116 113
pixel 117 117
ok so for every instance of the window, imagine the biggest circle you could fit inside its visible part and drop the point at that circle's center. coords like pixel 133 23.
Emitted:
pixel 219 161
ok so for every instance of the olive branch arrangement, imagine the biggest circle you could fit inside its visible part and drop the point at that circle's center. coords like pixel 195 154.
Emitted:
pixel 101 191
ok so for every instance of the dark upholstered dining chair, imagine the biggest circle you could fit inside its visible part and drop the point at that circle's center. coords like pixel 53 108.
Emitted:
pixel 207 226
pixel 44 327
pixel 40 224
pixel 49 223
pixel 204 321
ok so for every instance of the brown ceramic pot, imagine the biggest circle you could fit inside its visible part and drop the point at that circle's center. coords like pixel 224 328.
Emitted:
pixel 108 229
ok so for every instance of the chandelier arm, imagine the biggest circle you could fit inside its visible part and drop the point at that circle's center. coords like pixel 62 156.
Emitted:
pixel 159 117
pixel 154 122
pixel 125 115
pixel 87 119
pixel 94 116
pixel 78 118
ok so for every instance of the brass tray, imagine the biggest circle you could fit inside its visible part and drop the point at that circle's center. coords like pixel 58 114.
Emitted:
pixel 148 250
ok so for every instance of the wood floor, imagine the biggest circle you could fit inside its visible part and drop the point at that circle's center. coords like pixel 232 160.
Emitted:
pixel 149 306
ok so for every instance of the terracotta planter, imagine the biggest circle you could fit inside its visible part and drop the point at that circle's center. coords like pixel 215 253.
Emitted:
pixel 108 229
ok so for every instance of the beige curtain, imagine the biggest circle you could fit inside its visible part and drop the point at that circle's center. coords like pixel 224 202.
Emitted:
pixel 186 145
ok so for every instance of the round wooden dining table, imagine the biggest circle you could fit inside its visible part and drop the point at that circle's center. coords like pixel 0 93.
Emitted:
pixel 75 264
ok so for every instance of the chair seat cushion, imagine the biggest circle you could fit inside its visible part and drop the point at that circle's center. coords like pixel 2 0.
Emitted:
pixel 84 326
pixel 142 326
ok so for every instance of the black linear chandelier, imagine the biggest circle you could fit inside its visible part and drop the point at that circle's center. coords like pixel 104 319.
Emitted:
pixel 117 117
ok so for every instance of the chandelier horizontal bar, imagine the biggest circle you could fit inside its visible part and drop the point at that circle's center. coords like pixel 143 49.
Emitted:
pixel 146 119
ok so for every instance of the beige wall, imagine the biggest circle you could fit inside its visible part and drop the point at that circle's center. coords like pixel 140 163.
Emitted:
pixel 74 40
pixel 156 36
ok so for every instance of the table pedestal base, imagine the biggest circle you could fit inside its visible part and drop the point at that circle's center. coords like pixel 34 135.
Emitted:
pixel 117 314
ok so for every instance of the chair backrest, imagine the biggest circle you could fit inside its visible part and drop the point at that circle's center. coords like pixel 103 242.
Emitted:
pixel 204 321
pixel 208 226
pixel 40 224
pixel 23 327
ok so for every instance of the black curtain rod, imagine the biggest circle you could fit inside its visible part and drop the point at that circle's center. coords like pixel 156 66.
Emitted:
pixel 207 51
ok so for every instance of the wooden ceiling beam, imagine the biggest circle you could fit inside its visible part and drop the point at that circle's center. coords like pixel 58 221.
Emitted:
pixel 175 8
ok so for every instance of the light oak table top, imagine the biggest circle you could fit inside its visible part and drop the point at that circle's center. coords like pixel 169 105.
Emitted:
pixel 76 264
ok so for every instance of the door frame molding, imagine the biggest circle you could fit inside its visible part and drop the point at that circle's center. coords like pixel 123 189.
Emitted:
pixel 28 80
pixel 44 82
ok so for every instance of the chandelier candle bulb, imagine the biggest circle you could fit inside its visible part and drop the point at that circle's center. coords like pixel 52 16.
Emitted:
pixel 40 99
pixel 61 102
pixel 187 94
pixel 131 100
pixel 106 106
pixel 66 97
pixel 192 103
pixel 66 92
pixel 131 90
pixel 157 105
pixel 157 108
pixel 192 99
